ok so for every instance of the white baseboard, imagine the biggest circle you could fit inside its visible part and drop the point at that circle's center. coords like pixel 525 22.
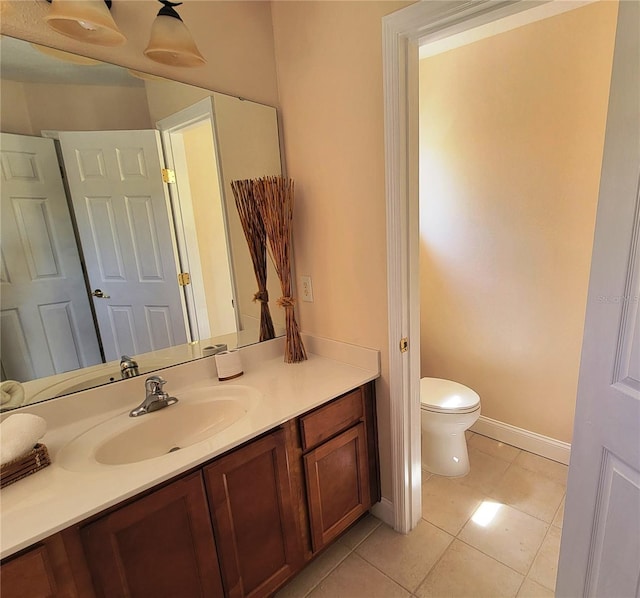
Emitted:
pixel 383 510
pixel 523 439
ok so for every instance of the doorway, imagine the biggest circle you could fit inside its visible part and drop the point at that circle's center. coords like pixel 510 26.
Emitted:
pixel 403 33
pixel 609 336
pixel 201 220
pixel 511 141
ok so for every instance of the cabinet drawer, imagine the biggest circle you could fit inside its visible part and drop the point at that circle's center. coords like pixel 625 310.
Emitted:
pixel 327 421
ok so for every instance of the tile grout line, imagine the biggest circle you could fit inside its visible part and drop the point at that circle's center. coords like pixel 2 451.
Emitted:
pixel 411 593
pixel 351 550
pixel 456 537
pixel 493 558
pixel 534 560
pixel 435 564
pixel 381 571
pixel 540 548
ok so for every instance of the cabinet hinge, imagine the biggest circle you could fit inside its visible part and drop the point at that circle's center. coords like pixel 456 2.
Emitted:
pixel 168 175
pixel 404 345
pixel 184 278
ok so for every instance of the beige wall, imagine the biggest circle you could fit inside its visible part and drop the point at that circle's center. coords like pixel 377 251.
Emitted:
pixel 14 114
pixel 168 97
pixel 329 58
pixel 235 38
pixel 85 107
pixel 511 134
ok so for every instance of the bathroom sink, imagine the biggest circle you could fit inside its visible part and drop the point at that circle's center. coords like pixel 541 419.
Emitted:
pixel 199 414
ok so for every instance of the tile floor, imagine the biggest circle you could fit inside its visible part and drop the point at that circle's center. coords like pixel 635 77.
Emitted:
pixel 494 532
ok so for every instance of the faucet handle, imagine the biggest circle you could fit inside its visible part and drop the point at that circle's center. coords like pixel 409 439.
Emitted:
pixel 154 385
pixel 128 367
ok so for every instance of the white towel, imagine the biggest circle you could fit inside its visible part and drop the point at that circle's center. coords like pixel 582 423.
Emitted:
pixel 11 394
pixel 19 433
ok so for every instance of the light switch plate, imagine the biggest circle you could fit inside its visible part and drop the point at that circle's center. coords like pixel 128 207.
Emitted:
pixel 307 289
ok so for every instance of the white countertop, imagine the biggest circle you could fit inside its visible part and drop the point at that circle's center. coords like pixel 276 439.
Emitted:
pixel 54 498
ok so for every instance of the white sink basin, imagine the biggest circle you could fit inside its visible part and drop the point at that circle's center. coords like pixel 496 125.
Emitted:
pixel 199 414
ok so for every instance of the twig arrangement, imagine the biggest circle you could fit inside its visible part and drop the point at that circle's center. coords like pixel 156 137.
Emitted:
pixel 256 236
pixel 274 197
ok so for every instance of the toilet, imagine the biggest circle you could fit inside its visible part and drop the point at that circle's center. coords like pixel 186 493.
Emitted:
pixel 447 410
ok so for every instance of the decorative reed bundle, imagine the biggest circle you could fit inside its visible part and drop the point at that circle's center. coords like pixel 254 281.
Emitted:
pixel 256 236
pixel 274 196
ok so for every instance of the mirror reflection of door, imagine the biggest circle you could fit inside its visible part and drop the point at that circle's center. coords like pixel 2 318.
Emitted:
pixel 201 219
pixel 47 326
pixel 123 221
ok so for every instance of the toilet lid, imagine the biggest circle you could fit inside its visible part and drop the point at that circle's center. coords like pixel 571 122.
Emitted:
pixel 445 396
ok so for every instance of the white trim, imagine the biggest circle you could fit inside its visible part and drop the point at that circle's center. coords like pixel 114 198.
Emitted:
pixel 171 128
pixel 523 439
pixel 402 32
pixel 538 13
pixel 383 510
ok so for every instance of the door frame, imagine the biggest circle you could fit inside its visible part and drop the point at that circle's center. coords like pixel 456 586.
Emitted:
pixel 170 129
pixel 402 34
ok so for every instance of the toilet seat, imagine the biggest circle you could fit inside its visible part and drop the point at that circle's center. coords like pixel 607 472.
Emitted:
pixel 445 396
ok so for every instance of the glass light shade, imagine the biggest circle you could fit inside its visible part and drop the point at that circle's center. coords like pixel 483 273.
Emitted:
pixel 172 44
pixel 85 20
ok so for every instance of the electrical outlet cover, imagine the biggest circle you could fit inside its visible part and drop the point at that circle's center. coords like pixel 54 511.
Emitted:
pixel 307 289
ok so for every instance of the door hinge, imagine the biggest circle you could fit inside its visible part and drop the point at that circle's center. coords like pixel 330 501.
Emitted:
pixel 184 278
pixel 404 345
pixel 168 175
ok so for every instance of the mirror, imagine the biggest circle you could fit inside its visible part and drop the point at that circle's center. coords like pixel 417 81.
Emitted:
pixel 111 259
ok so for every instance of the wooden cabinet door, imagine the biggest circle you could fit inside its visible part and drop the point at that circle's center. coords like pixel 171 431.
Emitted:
pixel 29 576
pixel 37 574
pixel 47 569
pixel 161 545
pixel 254 517
pixel 337 476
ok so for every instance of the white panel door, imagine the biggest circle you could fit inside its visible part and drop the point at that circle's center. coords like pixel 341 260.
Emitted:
pixel 600 550
pixel 122 214
pixel 46 323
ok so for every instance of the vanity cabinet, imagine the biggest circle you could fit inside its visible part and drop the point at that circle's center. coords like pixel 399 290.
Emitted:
pixel 254 517
pixel 239 526
pixel 43 571
pixel 336 466
pixel 159 545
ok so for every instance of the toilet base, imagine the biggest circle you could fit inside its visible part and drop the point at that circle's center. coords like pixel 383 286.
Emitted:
pixel 445 455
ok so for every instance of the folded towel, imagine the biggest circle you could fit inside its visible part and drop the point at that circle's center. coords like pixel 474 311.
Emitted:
pixel 11 394
pixel 19 433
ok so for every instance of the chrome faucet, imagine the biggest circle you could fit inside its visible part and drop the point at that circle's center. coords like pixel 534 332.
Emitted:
pixel 156 397
pixel 128 367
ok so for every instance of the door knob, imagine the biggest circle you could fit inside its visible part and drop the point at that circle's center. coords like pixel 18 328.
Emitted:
pixel 98 293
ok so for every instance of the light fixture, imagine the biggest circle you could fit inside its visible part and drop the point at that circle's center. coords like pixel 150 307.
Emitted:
pixel 85 20
pixel 170 42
